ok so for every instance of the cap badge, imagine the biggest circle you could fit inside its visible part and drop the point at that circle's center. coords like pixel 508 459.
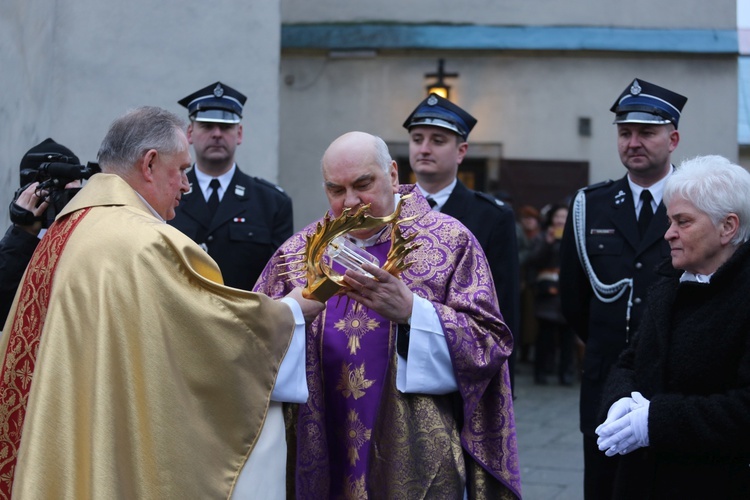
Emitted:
pixel 218 90
pixel 432 100
pixel 635 89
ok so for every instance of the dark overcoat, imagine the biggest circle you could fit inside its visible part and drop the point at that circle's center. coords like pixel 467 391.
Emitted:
pixel 691 360
pixel 16 249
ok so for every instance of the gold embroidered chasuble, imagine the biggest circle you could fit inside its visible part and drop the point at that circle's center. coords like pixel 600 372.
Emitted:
pixel 420 445
pixel 151 379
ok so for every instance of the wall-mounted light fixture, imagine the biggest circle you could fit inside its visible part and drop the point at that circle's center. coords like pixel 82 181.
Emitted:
pixel 439 86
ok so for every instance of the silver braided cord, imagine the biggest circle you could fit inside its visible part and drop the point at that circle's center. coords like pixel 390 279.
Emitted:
pixel 605 293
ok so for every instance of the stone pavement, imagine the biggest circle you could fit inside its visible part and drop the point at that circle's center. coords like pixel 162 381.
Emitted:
pixel 550 447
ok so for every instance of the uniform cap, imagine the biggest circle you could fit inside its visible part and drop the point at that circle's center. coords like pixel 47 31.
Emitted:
pixel 215 103
pixel 644 102
pixel 436 111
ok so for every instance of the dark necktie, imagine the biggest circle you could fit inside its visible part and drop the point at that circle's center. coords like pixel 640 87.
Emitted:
pixel 213 200
pixel 431 202
pixel 644 218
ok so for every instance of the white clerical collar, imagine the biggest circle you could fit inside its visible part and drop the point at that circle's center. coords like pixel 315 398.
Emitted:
pixel 148 205
pixel 657 192
pixel 441 196
pixel 374 238
pixel 204 180
pixel 697 278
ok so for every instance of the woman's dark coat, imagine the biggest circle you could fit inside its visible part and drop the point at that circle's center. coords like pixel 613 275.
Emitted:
pixel 691 359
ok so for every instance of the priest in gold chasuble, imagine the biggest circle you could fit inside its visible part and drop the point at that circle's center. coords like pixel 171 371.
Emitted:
pixel 409 385
pixel 128 369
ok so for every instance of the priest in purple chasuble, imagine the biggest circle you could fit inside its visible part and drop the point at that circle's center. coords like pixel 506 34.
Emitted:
pixel 128 369
pixel 408 377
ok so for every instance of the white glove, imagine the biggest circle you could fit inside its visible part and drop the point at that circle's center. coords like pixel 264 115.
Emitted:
pixel 641 424
pixel 619 409
pixel 628 432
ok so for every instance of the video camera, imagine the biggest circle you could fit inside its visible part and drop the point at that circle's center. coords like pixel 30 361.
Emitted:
pixel 55 171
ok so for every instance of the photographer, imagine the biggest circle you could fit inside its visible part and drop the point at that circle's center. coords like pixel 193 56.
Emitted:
pixel 31 212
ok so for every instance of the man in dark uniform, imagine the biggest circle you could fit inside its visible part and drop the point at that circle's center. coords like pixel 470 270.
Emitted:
pixel 613 240
pixel 438 131
pixel 238 219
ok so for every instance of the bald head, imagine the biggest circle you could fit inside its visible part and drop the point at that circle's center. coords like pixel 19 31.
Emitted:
pixel 358 147
pixel 358 170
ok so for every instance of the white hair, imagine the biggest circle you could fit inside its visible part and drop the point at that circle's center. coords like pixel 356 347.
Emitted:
pixel 716 187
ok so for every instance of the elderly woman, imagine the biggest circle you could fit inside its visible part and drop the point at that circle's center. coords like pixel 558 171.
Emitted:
pixel 680 393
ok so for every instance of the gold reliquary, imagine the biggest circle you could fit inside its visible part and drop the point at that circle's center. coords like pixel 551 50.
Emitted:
pixel 329 244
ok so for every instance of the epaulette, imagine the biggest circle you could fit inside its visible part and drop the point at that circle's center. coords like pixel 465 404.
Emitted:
pixel 269 184
pixel 489 198
pixel 597 185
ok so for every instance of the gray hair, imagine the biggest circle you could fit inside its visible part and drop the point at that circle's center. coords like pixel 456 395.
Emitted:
pixel 133 134
pixel 716 187
pixel 382 155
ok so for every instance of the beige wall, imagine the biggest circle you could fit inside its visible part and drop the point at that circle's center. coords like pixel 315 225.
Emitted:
pixel 529 103
pixel 611 13
pixel 71 66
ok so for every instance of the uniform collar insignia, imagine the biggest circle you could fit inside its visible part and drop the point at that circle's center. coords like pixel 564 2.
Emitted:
pixel 189 190
pixel 239 190
pixel 620 197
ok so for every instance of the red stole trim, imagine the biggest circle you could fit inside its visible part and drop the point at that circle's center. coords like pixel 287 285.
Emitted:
pixel 23 343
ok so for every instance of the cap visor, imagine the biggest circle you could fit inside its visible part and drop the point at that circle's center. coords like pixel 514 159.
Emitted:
pixel 640 117
pixel 216 115
pixel 434 122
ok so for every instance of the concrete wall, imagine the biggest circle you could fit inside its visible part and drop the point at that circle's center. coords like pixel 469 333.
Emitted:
pixel 72 66
pixel 529 103
pixel 527 87
pixel 633 13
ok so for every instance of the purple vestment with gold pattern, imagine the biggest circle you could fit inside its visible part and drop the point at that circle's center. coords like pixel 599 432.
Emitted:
pixel 358 436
